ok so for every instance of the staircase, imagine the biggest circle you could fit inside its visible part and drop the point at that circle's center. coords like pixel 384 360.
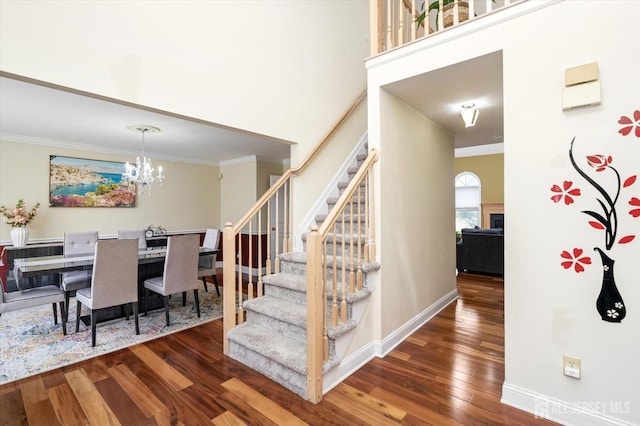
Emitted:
pixel 273 338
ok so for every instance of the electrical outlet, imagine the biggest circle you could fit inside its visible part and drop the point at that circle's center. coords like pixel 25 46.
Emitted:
pixel 571 366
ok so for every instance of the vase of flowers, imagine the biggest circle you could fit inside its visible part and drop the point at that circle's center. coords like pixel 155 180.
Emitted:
pixel 19 217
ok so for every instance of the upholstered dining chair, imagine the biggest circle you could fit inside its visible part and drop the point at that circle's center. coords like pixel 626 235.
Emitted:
pixel 77 244
pixel 180 272
pixel 132 235
pixel 114 281
pixel 23 299
pixel 207 264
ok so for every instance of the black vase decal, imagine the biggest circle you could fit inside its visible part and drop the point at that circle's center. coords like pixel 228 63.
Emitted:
pixel 609 304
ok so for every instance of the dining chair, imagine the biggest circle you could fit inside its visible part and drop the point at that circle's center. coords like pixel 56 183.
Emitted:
pixel 23 299
pixel 207 264
pixel 77 244
pixel 132 234
pixel 114 281
pixel 180 272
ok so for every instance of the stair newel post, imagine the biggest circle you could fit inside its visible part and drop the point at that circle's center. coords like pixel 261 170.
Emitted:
pixel 269 228
pixel 325 304
pixel 228 282
pixel 314 316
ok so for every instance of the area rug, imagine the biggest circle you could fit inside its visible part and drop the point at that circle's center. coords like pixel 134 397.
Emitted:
pixel 31 344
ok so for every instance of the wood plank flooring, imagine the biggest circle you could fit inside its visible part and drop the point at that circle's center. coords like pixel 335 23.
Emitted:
pixel 449 372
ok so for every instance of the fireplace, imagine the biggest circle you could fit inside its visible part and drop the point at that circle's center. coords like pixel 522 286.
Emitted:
pixel 496 220
pixel 491 210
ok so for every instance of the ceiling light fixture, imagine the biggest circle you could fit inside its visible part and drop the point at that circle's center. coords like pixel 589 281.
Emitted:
pixel 141 173
pixel 469 114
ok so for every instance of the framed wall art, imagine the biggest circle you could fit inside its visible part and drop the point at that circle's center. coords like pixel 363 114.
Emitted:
pixel 81 182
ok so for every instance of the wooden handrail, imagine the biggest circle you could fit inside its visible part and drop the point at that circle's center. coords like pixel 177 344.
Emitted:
pixel 323 230
pixel 296 170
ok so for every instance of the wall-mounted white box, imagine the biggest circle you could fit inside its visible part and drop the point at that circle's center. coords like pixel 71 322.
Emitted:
pixel 581 74
pixel 580 95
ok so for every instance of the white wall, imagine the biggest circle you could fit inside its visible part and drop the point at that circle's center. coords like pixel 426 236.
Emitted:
pixel 550 311
pixel 186 201
pixel 286 69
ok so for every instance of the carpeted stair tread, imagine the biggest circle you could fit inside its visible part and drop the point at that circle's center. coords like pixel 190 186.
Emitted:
pixel 281 349
pixel 301 257
pixel 282 310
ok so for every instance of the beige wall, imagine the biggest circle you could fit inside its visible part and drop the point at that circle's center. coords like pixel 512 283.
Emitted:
pixel 237 189
pixel 416 220
pixel 286 69
pixel 490 170
pixel 308 185
pixel 264 170
pixel 188 200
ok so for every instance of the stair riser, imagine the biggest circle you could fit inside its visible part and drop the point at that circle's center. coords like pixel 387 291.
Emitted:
pixel 293 296
pixel 283 328
pixel 348 208
pixel 343 185
pixel 357 227
pixel 339 251
pixel 288 378
pixel 301 269
pixel 301 298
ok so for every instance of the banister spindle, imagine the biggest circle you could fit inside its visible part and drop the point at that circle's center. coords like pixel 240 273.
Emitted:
pixel 250 264
pixel 239 275
pixel 260 285
pixel 269 228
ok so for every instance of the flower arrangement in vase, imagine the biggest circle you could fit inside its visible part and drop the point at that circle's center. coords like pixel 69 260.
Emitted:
pixel 19 217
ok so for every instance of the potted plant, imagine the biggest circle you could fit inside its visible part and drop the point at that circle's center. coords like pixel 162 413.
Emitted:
pixel 447 8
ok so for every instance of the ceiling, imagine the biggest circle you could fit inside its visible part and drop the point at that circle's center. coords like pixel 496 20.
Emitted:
pixel 440 95
pixel 36 113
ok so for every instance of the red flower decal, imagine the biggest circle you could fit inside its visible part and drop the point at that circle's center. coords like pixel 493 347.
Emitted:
pixel 630 123
pixel 574 260
pixel 626 239
pixel 629 181
pixel 599 161
pixel 635 202
pixel 565 192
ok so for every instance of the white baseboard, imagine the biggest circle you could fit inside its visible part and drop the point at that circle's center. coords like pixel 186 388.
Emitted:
pixel 379 349
pixel 401 334
pixel 578 413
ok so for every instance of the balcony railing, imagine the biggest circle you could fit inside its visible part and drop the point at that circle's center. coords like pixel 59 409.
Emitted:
pixel 395 23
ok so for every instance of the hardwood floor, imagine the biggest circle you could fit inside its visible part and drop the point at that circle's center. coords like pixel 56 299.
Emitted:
pixel 449 372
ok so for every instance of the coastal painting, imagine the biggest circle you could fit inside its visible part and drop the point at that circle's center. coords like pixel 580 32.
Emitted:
pixel 81 182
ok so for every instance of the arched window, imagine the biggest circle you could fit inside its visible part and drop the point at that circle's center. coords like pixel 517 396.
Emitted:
pixel 468 190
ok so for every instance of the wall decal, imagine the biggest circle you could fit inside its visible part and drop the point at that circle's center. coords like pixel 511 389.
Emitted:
pixel 609 303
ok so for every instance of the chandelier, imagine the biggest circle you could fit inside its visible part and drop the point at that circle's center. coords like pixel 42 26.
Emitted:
pixel 141 173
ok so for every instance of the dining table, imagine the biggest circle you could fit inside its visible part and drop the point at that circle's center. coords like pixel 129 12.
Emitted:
pixel 150 264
